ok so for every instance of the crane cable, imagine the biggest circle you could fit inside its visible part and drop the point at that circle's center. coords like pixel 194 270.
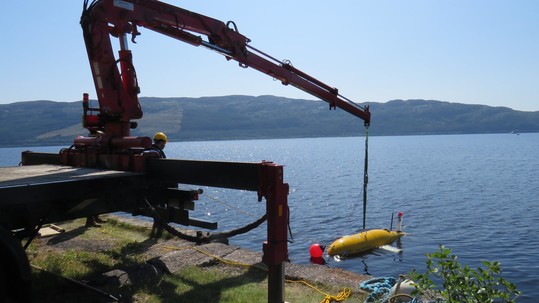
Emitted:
pixel 365 176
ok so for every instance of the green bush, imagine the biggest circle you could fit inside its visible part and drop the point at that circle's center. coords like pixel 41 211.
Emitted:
pixel 462 284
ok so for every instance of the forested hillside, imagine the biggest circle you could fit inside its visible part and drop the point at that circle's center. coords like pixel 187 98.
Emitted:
pixel 248 117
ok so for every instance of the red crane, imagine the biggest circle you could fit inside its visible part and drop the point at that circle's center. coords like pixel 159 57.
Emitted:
pixel 110 144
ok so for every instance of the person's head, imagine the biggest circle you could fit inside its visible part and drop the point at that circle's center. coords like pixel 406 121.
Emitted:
pixel 160 140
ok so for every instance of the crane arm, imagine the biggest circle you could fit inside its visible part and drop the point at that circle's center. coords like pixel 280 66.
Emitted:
pixel 117 89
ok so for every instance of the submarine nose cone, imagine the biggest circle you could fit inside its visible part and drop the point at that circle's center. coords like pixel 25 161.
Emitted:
pixel 330 250
pixel 335 248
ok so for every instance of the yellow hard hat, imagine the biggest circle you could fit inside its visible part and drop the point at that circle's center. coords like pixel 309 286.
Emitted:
pixel 160 136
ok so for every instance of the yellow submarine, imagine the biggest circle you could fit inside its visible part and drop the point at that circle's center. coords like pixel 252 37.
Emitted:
pixel 365 240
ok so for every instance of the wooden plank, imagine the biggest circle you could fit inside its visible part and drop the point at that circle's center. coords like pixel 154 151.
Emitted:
pixel 47 232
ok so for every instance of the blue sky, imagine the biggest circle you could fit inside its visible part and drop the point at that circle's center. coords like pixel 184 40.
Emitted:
pixel 475 52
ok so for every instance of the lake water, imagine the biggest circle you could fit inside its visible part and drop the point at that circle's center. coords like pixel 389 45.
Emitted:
pixel 475 194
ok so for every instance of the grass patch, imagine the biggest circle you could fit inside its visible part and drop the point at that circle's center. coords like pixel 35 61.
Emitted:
pixel 74 264
pixel 117 245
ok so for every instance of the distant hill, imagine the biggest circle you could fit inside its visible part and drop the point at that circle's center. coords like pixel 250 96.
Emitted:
pixel 247 117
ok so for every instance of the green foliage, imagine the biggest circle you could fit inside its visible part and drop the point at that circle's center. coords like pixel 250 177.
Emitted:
pixel 461 283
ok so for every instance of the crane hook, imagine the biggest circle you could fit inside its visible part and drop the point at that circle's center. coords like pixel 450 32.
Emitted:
pixel 228 23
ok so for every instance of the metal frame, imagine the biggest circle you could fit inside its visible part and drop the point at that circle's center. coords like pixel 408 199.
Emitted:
pixel 266 178
pixel 79 192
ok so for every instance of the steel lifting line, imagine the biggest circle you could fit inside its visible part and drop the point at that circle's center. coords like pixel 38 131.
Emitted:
pixel 365 175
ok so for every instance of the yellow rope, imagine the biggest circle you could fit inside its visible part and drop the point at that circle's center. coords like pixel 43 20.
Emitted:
pixel 212 256
pixel 341 296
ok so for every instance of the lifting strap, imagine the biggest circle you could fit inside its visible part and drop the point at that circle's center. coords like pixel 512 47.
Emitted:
pixel 365 175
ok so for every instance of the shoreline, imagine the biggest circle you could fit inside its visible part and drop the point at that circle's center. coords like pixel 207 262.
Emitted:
pixel 312 272
pixel 171 256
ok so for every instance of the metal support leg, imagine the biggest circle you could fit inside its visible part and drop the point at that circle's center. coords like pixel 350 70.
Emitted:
pixel 275 249
pixel 276 283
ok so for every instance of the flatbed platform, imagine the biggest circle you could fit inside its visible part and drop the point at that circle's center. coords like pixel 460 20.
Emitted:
pixel 42 191
pixel 31 195
pixel 30 175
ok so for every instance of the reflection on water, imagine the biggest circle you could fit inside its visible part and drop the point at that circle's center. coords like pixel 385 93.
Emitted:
pixel 476 194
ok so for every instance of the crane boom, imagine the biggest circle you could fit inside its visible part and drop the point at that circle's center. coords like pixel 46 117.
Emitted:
pixel 110 145
pixel 117 88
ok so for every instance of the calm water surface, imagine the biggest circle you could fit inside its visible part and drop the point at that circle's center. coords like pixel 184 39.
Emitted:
pixel 475 194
